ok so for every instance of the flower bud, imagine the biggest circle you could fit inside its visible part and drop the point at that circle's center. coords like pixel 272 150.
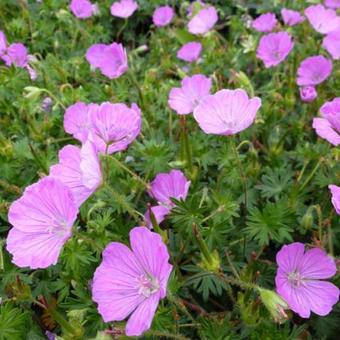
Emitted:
pixel 308 93
pixel 275 304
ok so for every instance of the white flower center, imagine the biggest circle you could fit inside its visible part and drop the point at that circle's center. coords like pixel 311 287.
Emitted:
pixel 147 285
pixel 295 279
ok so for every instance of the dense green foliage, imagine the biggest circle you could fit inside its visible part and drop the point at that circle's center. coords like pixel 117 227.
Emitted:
pixel 250 194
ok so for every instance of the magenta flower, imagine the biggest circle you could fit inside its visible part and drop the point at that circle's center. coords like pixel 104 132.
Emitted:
pixel 114 126
pixel 76 121
pixel 190 52
pixel 3 43
pixel 299 279
pixel 314 70
pixel 331 42
pixel 328 127
pixel 123 8
pixel 159 211
pixel 291 18
pixel 227 112
pixel 274 48
pixel 323 20
pixel 162 16
pixel 110 59
pixel 185 99
pixel 42 220
pixel 82 9
pixel 75 165
pixel 265 22
pixel 203 21
pixel 335 191
pixel 308 93
pixel 169 185
pixel 332 3
pixel 132 282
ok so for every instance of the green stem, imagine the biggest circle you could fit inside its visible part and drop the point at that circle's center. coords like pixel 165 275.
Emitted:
pixel 121 29
pixel 312 174
pixel 186 143
pixel 202 245
pixel 133 174
pixel 236 282
pixel 154 223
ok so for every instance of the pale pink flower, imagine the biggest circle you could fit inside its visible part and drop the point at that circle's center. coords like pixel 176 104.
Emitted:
pixel 203 21
pixel 110 59
pixel 300 279
pixel 130 283
pixel 114 126
pixel 42 220
pixel 324 20
pixel 227 112
pixel 169 185
pixel 162 16
pixel 335 191
pixel 185 99
pixel 82 9
pixel 265 22
pixel 291 18
pixel 314 70
pixel 123 8
pixel 328 126
pixel 331 42
pixel 190 51
pixel 79 169
pixel 76 121
pixel 274 48
pixel 332 3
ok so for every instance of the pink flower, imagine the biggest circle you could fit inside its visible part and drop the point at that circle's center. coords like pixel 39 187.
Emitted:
pixel 82 9
pixel 328 127
pixel 314 70
pixel 3 43
pixel 227 112
pixel 76 121
pixel 323 20
pixel 331 42
pixel 335 191
pixel 190 52
pixel 332 3
pixel 42 220
pixel 308 93
pixel 110 59
pixel 123 8
pixel 184 99
pixel 114 126
pixel 300 279
pixel 16 54
pixel 265 22
pixel 159 211
pixel 274 48
pixel 162 16
pixel 75 165
pixel 203 21
pixel 169 185
pixel 291 18
pixel 132 282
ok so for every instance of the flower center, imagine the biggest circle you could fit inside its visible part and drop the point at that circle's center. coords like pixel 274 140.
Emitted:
pixel 147 285
pixel 295 279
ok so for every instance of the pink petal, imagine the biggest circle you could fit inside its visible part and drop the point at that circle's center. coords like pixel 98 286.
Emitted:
pixel 316 264
pixel 115 286
pixel 35 250
pixel 45 205
pixel 289 257
pixel 142 317
pixel 152 254
pixel 325 130
pixel 95 53
pixel 203 21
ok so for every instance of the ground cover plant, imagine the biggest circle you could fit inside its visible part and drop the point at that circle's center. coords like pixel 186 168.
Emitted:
pixel 169 169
